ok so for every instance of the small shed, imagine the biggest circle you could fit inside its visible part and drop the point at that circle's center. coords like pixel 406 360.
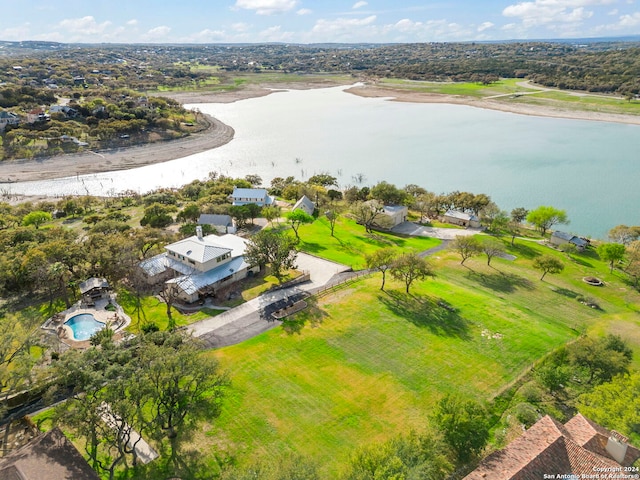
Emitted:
pixel 462 219
pixel 560 238
pixel 94 289
pixel 397 214
pixel 305 205
pixel 222 223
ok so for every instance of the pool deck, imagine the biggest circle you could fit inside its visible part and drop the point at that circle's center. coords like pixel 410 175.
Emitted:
pixel 117 319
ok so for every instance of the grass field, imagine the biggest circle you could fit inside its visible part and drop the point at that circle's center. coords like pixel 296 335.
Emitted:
pixel 565 99
pixel 368 364
pixel 472 89
pixel 351 243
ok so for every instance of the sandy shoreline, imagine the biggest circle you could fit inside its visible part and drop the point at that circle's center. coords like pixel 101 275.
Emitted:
pixel 488 103
pixel 219 134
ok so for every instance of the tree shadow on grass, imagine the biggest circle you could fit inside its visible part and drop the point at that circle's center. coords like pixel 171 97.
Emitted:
pixel 426 312
pixel 580 261
pixel 565 292
pixel 501 282
pixel 521 249
pixel 312 315
pixel 379 240
pixel 313 247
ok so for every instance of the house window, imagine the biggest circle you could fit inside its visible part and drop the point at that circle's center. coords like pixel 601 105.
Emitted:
pixel 192 262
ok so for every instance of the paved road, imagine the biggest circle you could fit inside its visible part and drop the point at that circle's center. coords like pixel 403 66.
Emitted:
pixel 413 229
pixel 253 317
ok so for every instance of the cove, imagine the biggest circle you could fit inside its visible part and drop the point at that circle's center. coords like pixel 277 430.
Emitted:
pixel 590 169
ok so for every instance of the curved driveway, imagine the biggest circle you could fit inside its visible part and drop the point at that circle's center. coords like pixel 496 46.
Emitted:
pixel 252 318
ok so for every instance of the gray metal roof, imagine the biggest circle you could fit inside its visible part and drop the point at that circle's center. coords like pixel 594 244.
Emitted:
pixel 249 193
pixel 190 284
pixel 200 250
pixel 92 283
pixel 213 219
pixel 305 204
pixel 460 215
pixel 569 237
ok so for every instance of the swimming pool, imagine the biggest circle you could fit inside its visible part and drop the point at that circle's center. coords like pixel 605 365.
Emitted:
pixel 83 326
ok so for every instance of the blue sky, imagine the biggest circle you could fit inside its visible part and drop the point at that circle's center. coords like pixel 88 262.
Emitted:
pixel 309 21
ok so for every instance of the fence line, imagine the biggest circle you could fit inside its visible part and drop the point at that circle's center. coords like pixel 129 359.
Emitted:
pixel 328 289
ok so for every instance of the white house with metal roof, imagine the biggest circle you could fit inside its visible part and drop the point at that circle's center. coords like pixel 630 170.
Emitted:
pixel 222 223
pixel 305 204
pixel 397 214
pixel 463 219
pixel 243 196
pixel 560 238
pixel 199 265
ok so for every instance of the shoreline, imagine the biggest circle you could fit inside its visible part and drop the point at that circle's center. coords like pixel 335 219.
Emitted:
pixel 397 95
pixel 219 134
pixel 89 162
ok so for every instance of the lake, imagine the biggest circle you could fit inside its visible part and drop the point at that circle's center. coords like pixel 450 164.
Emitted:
pixel 590 169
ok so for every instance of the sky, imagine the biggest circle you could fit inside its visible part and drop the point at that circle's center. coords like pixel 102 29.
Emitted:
pixel 313 21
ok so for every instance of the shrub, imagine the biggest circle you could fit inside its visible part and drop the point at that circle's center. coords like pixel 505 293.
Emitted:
pixel 526 414
pixel 531 392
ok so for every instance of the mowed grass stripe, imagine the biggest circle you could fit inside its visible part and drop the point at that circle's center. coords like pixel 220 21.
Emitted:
pixel 368 365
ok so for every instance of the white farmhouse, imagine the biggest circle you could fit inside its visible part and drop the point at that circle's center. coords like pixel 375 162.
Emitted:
pixel 200 265
pixel 243 196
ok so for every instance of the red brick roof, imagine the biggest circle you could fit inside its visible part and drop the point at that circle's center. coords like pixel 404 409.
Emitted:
pixel 50 456
pixel 549 447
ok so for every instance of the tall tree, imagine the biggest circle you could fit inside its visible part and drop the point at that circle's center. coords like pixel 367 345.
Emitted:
pixel 381 260
pixel 615 405
pixel 272 248
pixel 548 264
pixel 463 424
pixel 624 234
pixel 296 218
pixel 36 218
pixel 519 215
pixel 611 252
pixel 370 214
pixel 388 194
pixel 545 217
pixel 270 213
pixel 182 386
pixel 602 358
pixel 492 248
pixel 467 246
pixel 332 216
pixel 410 267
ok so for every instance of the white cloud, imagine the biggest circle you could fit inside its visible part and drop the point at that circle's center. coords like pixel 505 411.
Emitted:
pixel 206 36
pixel 19 33
pixel 275 34
pixel 84 26
pixel 304 11
pixel 485 26
pixel 133 22
pixel 157 34
pixel 632 20
pixel 548 12
pixel 267 7
pixel 240 27
pixel 342 29
pixel 359 4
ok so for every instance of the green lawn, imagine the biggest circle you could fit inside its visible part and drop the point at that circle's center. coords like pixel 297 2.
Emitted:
pixel 473 89
pixel 351 242
pixel 154 311
pixel 367 365
pixel 509 87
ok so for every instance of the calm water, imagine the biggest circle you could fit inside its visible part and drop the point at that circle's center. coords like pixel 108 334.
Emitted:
pixel 84 325
pixel 590 169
